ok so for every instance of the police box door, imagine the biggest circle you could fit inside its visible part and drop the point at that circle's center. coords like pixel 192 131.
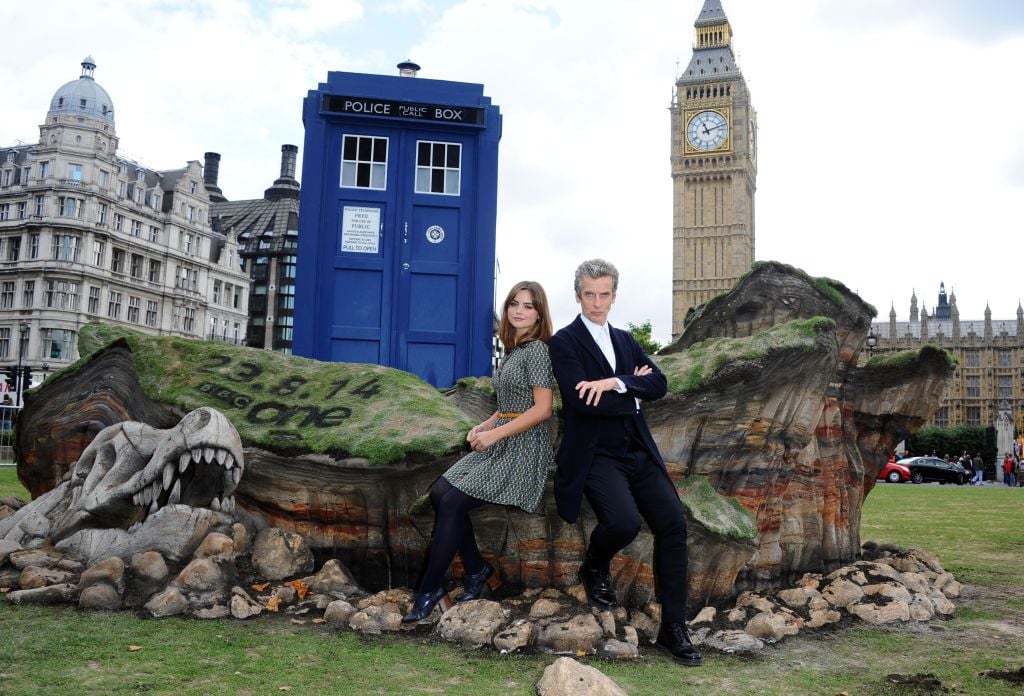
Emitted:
pixel 404 264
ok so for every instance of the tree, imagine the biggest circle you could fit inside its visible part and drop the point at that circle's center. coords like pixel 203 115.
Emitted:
pixel 642 334
pixel 943 441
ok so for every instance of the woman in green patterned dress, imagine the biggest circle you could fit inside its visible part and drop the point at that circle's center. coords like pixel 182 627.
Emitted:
pixel 511 451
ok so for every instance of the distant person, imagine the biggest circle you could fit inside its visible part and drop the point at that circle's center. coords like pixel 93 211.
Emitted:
pixel 6 413
pixel 979 470
pixel 1008 466
pixel 511 452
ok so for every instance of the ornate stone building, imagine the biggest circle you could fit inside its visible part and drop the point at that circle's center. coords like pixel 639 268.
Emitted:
pixel 714 169
pixel 86 234
pixel 989 380
pixel 268 238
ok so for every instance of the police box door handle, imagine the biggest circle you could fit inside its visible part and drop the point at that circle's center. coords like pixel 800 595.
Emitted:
pixel 405 267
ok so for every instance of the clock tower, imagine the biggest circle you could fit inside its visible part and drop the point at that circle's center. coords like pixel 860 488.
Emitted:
pixel 714 170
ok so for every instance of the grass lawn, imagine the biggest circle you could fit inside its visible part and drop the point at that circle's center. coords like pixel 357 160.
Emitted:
pixel 975 532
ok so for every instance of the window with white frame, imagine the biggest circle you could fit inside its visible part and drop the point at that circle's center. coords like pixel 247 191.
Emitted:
pixel 57 344
pixel 216 291
pixel 22 208
pixel 154 271
pixel 13 248
pixel 5 211
pixel 65 247
pixel 5 341
pixel 364 162
pixel 973 386
pixel 438 167
pixel 60 294
pixel 135 266
pixel 188 321
pixel 74 171
pixel 117 260
pixel 94 300
pixel 136 228
pixel 134 305
pixel 7 175
pixel 118 222
pixel 154 233
pixel 121 188
pixel 7 295
pixel 236 298
pixel 33 246
pixel 104 179
pixel 1005 385
pixel 176 317
pixel 40 203
pixel 213 327
pixel 101 213
pixel 974 415
pixel 44 169
pixel 68 206
pixel 114 305
pixel 187 240
pixel 150 313
pixel 99 250
pixel 28 294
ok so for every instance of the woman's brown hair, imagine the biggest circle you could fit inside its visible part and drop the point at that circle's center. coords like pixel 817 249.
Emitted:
pixel 541 331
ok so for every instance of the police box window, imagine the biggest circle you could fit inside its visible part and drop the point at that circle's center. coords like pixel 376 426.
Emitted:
pixel 364 162
pixel 438 167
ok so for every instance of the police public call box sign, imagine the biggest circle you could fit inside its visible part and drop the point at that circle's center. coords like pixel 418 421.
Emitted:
pixel 397 226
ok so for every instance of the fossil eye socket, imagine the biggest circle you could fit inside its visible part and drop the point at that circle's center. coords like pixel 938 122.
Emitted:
pixel 199 419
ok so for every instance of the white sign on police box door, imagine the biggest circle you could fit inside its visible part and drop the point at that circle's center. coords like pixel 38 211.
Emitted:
pixel 360 228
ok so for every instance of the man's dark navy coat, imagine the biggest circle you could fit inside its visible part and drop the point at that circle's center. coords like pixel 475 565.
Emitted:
pixel 576 357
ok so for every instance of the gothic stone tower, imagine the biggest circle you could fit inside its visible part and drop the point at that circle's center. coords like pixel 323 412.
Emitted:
pixel 714 169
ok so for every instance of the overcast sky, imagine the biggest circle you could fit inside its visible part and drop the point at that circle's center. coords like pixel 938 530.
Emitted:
pixel 890 131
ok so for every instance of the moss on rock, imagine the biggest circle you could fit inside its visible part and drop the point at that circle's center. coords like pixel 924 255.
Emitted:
pixel 690 369
pixel 290 404
pixel 716 513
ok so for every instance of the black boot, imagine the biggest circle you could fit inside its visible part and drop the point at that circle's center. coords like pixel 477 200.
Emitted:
pixel 674 639
pixel 423 603
pixel 598 586
pixel 473 585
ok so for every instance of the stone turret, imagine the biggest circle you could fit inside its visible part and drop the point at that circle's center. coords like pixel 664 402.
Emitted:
pixel 954 312
pixel 1020 321
pixel 924 324
pixel 892 323
pixel 913 305
pixel 988 323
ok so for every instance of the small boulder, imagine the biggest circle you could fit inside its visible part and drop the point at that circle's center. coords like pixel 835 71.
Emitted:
pixel 543 608
pixel 577 636
pixel 733 642
pixel 516 636
pixel 33 577
pixel 243 606
pixel 333 579
pixel 100 596
pixel 612 649
pixel 705 615
pixel 277 554
pixel 842 592
pixel 471 623
pixel 567 677
pixel 217 611
pixel 51 594
pixel 875 614
pixel 375 619
pixel 109 571
pixel 167 603
pixel 339 612
pixel 7 547
pixel 772 627
pixel 149 567
pixel 40 558
pixel 216 546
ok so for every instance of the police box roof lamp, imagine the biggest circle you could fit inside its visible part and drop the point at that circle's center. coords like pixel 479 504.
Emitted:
pixel 407 68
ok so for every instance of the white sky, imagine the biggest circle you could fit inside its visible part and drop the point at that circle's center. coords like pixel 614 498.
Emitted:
pixel 890 131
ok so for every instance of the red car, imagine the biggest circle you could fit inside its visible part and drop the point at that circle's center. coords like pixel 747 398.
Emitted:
pixel 894 472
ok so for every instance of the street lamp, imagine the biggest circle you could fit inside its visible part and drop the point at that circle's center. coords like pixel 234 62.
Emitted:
pixel 19 380
pixel 871 342
pixel 46 368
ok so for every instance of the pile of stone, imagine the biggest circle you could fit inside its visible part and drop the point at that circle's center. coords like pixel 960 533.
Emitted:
pixel 225 577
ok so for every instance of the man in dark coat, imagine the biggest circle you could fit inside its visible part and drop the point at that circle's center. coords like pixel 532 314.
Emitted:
pixel 608 455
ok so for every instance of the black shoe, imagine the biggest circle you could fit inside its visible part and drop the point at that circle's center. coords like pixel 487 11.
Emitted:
pixel 598 586
pixel 674 640
pixel 474 584
pixel 423 603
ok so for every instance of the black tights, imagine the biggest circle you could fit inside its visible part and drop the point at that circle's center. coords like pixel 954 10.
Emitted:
pixel 453 533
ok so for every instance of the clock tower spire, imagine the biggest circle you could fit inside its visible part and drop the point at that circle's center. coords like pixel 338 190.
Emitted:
pixel 714 169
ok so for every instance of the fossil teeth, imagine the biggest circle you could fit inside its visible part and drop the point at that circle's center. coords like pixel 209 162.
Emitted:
pixel 197 455
pixel 222 456
pixel 168 475
pixel 135 498
pixel 175 496
pixel 157 489
pixel 229 461
pixel 155 506
pixel 183 461
pixel 215 504
pixel 144 496
pixel 209 455
pixel 231 504
pixel 236 475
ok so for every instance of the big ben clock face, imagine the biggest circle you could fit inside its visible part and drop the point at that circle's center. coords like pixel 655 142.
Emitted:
pixel 707 130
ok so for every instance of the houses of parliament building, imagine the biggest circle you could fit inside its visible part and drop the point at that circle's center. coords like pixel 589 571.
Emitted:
pixel 988 383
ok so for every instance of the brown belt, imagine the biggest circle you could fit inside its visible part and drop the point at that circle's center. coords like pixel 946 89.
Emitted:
pixel 509 415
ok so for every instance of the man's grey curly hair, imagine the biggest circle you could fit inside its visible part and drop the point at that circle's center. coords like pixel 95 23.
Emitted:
pixel 596 268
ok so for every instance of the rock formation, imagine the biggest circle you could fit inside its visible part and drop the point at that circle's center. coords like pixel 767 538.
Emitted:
pixel 771 429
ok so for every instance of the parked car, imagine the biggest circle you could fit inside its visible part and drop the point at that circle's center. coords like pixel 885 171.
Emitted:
pixel 894 472
pixel 934 469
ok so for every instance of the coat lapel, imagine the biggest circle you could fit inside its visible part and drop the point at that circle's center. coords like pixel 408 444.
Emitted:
pixel 590 345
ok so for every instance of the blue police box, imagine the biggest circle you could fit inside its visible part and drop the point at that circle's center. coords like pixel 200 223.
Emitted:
pixel 397 226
